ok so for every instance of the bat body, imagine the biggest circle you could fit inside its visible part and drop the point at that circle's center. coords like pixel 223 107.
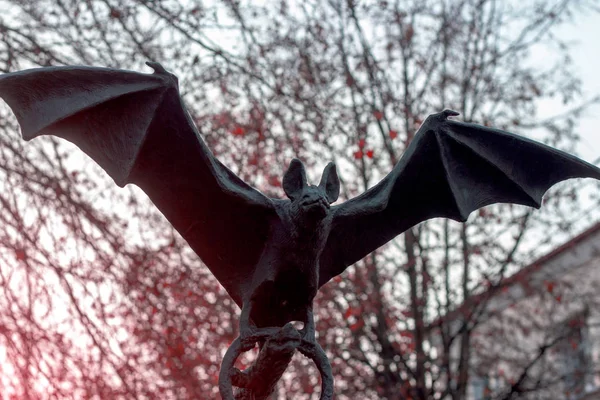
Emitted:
pixel 273 255
pixel 286 278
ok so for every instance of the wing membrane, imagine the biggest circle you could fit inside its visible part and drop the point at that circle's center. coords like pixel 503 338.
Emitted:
pixel 137 129
pixel 449 170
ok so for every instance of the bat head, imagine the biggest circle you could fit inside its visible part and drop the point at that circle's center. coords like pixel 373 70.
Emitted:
pixel 309 201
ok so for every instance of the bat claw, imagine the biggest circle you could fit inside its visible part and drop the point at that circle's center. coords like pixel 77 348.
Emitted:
pixel 248 340
pixel 308 335
pixel 449 113
pixel 157 67
pixel 310 339
pixel 249 337
pixel 160 70
pixel 434 119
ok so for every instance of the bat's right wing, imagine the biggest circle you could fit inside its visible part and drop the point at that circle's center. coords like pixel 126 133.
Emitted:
pixel 449 170
pixel 136 127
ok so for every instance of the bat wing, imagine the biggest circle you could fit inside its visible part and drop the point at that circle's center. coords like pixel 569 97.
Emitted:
pixel 136 127
pixel 449 170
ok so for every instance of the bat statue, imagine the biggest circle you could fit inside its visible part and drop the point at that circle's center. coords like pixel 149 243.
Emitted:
pixel 273 255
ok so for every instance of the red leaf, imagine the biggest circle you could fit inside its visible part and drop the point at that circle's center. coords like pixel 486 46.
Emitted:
pixel 274 181
pixel 114 13
pixel 20 254
pixel 378 115
pixel 349 80
pixel 393 134
pixel 575 323
pixel 410 347
pixel 358 154
pixel 549 286
pixel 238 131
pixel 370 153
pixel 177 350
pixel 253 159
pixel 407 334
pixel 357 325
pixel 349 312
pixel 559 298
pixel 361 143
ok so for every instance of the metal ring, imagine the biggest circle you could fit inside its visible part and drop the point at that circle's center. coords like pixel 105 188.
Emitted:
pixel 232 354
pixel 310 350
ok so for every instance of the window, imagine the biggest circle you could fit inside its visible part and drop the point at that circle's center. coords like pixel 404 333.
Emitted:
pixel 479 387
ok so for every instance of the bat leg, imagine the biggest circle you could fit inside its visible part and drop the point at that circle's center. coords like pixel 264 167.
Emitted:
pixel 308 332
pixel 247 328
pixel 250 334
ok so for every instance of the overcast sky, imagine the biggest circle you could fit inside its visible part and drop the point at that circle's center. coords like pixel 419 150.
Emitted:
pixel 586 56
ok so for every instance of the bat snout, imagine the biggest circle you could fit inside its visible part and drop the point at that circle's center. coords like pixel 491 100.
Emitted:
pixel 309 201
pixel 317 207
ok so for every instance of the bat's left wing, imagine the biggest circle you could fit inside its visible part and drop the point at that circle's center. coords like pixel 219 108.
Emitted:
pixel 449 170
pixel 137 128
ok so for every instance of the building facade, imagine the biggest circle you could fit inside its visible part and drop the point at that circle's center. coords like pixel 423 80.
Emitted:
pixel 537 334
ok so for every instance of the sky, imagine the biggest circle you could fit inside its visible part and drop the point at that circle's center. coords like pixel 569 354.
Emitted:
pixel 585 34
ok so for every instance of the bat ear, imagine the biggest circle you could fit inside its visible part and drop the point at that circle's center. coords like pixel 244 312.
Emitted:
pixel 330 182
pixel 294 180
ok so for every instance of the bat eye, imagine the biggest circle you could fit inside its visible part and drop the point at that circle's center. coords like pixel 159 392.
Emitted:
pixel 284 303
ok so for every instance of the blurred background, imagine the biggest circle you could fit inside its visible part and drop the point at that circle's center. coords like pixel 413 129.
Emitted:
pixel 101 299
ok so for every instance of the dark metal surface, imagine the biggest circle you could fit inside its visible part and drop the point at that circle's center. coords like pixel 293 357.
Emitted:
pixel 273 255
pixel 258 381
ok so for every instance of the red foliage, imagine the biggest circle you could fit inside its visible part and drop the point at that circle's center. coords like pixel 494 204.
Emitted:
pixel 407 334
pixel 352 312
pixel 238 131
pixel 357 325
pixel 274 181
pixel 20 254
pixel 115 13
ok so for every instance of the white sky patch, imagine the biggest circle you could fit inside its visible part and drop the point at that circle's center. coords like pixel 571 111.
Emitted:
pixel 585 51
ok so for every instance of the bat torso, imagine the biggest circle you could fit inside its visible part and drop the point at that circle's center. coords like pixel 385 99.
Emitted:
pixel 287 275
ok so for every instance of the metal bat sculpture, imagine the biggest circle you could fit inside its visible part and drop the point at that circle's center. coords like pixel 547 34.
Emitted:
pixel 273 255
